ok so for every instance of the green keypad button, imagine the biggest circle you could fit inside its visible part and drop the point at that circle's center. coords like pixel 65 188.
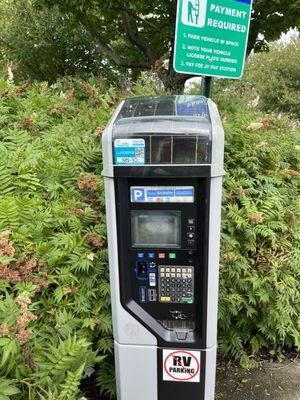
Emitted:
pixel 172 256
pixel 187 300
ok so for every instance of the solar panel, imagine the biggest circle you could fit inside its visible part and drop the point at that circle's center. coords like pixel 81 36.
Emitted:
pixel 176 129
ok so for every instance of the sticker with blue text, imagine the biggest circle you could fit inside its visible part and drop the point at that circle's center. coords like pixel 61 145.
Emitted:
pixel 129 152
pixel 193 108
pixel 168 194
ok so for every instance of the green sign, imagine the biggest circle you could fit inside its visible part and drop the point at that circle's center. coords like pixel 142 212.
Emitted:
pixel 211 37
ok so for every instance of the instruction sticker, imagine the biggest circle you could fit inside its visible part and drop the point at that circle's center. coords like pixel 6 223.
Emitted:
pixel 129 152
pixel 162 194
pixel 181 366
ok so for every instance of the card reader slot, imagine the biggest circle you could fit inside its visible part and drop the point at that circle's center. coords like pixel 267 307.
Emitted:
pixel 152 295
pixel 143 294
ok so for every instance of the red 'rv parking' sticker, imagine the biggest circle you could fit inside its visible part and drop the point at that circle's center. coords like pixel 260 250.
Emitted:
pixel 181 366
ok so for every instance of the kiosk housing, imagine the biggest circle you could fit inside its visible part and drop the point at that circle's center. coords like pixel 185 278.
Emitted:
pixel 163 168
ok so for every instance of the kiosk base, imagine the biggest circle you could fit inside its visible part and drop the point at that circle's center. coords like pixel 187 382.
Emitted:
pixel 135 372
pixel 136 379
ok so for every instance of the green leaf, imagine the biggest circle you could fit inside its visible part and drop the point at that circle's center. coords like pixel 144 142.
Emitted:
pixel 7 388
pixel 10 350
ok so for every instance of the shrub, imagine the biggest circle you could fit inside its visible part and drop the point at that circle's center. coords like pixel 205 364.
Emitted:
pixel 271 79
pixel 275 76
pixel 260 276
pixel 55 323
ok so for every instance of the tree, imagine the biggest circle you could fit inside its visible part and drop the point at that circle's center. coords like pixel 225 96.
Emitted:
pixel 139 34
pixel 126 35
pixel 271 19
pixel 46 44
pixel 135 35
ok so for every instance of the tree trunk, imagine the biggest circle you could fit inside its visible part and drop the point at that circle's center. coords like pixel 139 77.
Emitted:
pixel 172 81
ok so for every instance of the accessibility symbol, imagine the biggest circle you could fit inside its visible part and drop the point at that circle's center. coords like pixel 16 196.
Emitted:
pixel 194 12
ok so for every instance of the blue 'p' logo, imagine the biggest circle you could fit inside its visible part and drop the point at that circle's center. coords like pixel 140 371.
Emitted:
pixel 137 195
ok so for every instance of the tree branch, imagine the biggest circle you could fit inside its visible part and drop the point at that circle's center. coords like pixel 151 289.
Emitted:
pixel 122 62
pixel 108 51
pixel 134 36
pixel 138 17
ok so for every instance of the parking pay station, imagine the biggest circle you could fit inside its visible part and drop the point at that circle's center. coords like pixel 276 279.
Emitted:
pixel 163 168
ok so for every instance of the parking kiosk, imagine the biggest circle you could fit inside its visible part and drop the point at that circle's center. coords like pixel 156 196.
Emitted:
pixel 163 168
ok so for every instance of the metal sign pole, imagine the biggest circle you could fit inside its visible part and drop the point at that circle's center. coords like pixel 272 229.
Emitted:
pixel 207 86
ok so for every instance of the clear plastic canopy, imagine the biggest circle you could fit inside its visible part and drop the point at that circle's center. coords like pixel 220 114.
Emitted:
pixel 176 129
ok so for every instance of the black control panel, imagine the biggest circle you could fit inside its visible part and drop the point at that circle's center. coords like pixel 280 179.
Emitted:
pixel 161 276
pixel 162 263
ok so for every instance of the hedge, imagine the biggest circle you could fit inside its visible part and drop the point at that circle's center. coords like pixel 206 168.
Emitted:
pixel 55 322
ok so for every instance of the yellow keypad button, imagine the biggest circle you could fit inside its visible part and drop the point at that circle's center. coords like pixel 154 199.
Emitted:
pixel 165 299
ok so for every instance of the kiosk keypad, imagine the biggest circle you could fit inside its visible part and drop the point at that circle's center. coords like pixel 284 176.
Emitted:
pixel 176 284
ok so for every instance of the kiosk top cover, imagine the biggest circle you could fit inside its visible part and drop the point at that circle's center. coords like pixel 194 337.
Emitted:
pixel 173 129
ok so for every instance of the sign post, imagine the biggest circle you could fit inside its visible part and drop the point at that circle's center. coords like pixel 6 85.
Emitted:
pixel 211 37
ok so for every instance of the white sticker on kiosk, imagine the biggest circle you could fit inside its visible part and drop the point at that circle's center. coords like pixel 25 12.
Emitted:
pixel 181 366
pixel 129 152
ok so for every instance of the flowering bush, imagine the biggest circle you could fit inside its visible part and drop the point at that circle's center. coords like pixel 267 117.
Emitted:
pixel 55 322
pixel 259 304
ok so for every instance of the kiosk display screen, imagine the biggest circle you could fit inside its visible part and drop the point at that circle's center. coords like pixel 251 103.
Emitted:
pixel 156 229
